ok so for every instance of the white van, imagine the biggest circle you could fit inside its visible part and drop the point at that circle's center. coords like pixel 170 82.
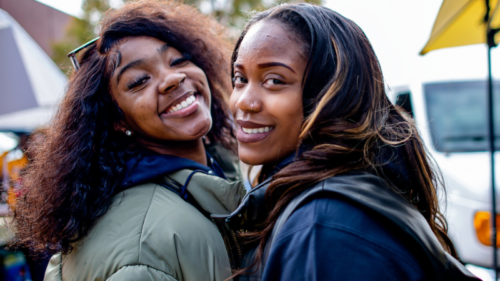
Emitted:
pixel 451 117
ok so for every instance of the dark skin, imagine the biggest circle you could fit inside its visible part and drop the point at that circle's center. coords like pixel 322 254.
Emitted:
pixel 151 81
pixel 268 93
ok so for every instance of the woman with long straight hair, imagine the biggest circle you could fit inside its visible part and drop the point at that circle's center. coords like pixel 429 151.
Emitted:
pixel 346 190
pixel 138 155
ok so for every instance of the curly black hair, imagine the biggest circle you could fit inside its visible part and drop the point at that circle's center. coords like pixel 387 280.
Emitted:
pixel 80 164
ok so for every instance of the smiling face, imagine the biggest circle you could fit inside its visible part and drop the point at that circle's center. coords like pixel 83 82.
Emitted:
pixel 163 95
pixel 267 98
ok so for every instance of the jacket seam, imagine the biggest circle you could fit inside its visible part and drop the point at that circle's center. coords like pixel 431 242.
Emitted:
pixel 60 267
pixel 132 265
pixel 144 222
pixel 350 232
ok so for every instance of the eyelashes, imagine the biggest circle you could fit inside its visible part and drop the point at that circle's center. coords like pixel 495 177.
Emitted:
pixel 181 61
pixel 239 80
pixel 138 82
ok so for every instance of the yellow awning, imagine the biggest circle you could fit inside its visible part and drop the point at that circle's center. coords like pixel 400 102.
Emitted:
pixel 461 23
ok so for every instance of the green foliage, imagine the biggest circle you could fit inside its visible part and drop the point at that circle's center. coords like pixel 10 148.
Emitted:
pixel 232 13
pixel 78 32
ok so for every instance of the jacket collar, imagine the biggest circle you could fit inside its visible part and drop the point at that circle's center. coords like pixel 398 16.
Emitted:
pixel 215 195
pixel 147 166
pixel 253 212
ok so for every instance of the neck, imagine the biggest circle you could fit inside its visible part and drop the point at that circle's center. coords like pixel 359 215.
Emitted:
pixel 265 171
pixel 267 168
pixel 192 150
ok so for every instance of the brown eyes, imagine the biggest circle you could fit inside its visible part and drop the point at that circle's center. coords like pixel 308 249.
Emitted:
pixel 238 80
pixel 273 82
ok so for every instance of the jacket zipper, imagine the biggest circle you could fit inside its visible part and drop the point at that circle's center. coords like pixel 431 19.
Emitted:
pixel 238 248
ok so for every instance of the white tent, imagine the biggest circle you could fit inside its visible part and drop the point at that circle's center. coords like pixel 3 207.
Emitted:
pixel 31 85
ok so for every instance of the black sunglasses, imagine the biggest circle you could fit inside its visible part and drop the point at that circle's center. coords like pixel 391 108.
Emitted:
pixel 72 54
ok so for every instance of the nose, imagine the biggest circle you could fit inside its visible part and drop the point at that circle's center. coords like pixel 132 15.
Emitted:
pixel 249 101
pixel 172 81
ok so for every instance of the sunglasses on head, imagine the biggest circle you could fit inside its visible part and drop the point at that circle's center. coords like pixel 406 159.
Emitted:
pixel 72 54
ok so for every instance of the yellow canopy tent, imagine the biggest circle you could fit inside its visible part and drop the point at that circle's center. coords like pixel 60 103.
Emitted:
pixel 463 22
pixel 468 22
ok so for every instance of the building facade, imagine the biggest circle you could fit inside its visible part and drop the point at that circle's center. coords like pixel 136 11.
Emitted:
pixel 43 23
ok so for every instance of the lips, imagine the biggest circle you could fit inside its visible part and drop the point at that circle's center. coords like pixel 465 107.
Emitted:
pixel 187 101
pixel 249 132
pixel 184 105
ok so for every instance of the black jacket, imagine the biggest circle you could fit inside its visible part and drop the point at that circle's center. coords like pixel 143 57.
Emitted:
pixel 359 189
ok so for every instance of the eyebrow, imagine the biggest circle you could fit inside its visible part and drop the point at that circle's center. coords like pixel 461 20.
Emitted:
pixel 118 59
pixel 272 64
pixel 163 49
pixel 133 64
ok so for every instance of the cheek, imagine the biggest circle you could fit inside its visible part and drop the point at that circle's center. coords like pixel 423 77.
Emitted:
pixel 290 112
pixel 140 109
pixel 233 100
pixel 198 75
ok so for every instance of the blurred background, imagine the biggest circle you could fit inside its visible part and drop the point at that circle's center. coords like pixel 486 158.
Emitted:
pixel 445 91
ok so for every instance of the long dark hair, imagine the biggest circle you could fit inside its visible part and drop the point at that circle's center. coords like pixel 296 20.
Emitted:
pixel 81 162
pixel 350 124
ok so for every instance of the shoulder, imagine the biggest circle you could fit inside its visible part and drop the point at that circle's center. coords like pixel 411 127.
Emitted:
pixel 151 227
pixel 114 240
pixel 340 215
pixel 178 239
pixel 336 236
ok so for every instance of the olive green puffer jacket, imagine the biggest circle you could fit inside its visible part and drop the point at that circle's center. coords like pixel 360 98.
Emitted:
pixel 151 233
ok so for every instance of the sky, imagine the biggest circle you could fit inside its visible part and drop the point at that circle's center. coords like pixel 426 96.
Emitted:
pixel 398 30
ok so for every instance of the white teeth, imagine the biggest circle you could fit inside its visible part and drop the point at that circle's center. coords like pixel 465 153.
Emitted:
pixel 185 103
pixel 256 130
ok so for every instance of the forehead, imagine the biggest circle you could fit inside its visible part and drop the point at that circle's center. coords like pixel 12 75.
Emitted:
pixel 137 47
pixel 269 40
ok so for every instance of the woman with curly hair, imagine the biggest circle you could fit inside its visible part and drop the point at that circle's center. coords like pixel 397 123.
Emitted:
pixel 138 154
pixel 346 191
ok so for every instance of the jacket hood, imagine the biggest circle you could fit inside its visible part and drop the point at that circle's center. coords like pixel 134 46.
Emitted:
pixel 145 167
pixel 208 185
pixel 215 195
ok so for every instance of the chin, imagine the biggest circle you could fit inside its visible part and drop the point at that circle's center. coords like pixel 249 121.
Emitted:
pixel 252 158
pixel 200 130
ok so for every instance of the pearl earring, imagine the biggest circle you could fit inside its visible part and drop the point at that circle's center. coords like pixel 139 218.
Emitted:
pixel 128 133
